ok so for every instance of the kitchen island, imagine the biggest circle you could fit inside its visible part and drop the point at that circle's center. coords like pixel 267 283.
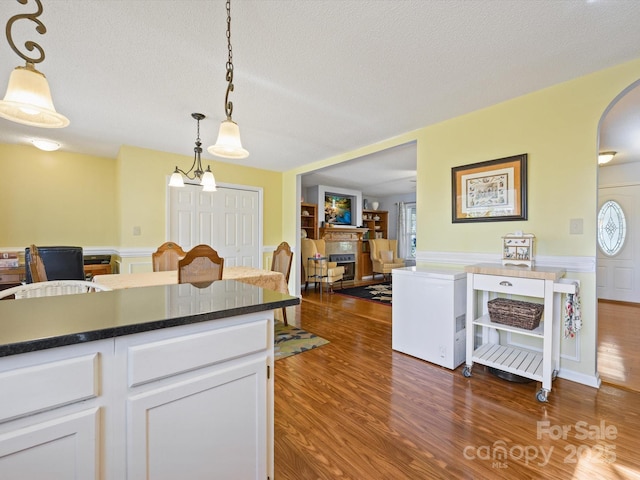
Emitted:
pixel 159 382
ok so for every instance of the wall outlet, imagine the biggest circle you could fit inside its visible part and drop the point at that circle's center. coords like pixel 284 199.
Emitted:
pixel 137 231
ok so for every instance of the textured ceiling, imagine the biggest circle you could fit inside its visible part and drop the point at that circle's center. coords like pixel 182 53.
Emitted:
pixel 313 78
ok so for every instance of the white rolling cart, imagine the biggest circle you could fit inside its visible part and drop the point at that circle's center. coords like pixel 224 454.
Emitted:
pixel 486 281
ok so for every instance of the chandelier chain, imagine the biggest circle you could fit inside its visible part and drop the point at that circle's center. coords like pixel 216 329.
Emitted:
pixel 29 45
pixel 228 105
pixel 230 60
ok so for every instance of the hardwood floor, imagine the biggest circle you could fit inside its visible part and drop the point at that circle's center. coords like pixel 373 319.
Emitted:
pixel 619 343
pixel 356 409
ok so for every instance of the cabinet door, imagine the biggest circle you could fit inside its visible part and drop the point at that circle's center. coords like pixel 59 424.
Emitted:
pixel 364 266
pixel 210 426
pixel 61 448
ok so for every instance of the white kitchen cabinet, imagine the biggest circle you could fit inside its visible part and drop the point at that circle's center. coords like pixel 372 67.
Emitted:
pixel 486 281
pixel 201 428
pixel 50 412
pixel 192 401
pixel 58 449
pixel 198 405
pixel 428 316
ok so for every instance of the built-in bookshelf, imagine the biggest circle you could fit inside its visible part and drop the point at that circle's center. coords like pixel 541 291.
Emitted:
pixel 309 220
pixel 377 221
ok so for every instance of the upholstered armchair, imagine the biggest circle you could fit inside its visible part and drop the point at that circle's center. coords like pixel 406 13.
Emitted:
pixel 325 271
pixel 384 256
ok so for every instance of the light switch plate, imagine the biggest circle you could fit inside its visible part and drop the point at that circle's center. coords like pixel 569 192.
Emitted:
pixel 575 226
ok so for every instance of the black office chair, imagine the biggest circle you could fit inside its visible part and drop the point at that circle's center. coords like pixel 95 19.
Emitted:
pixel 60 263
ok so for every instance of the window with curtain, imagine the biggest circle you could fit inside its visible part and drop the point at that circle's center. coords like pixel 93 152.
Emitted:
pixel 406 230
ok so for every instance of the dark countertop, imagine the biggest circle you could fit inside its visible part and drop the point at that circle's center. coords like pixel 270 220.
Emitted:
pixel 28 325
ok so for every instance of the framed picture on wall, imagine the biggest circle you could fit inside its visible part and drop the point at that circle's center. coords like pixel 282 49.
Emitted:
pixel 491 191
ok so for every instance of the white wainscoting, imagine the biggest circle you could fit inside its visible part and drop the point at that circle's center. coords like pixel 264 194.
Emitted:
pixel 570 264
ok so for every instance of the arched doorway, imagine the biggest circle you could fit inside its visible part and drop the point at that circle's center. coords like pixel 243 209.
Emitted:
pixel 618 251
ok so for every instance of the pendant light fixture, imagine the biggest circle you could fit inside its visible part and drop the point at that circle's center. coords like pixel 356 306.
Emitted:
pixel 28 98
pixel 605 157
pixel 228 144
pixel 45 145
pixel 207 180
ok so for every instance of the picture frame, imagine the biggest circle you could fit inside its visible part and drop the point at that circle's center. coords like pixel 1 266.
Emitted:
pixel 490 191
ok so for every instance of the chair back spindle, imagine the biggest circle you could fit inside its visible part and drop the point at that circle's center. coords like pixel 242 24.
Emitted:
pixel 36 266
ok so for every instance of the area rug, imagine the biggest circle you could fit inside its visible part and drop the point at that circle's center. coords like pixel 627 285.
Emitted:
pixel 290 340
pixel 380 293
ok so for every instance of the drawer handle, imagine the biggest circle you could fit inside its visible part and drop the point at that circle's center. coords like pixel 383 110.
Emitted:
pixel 504 283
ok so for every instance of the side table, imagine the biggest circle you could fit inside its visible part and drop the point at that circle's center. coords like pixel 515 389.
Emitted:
pixel 319 270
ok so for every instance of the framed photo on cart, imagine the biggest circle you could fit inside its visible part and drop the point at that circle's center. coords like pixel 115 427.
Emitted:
pixel 491 191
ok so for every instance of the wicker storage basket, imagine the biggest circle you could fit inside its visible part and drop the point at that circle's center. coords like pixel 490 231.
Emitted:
pixel 515 313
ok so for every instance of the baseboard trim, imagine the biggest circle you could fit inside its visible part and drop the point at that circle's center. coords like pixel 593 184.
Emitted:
pixel 589 380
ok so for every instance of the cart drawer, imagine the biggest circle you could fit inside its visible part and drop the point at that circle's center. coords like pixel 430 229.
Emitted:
pixel 531 287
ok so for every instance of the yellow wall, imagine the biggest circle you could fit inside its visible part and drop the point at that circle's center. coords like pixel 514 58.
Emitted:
pixel 142 177
pixel 56 198
pixel 558 128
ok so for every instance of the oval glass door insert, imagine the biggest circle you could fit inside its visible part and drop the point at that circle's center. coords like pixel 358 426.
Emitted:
pixel 612 228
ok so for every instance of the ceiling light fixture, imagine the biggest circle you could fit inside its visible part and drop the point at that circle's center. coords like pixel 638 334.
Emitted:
pixel 605 157
pixel 207 180
pixel 46 145
pixel 228 144
pixel 28 98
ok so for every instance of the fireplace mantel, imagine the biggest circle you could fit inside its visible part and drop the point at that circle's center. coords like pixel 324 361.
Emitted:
pixel 332 234
pixel 341 240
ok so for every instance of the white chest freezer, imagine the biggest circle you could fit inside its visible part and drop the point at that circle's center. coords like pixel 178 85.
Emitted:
pixel 428 316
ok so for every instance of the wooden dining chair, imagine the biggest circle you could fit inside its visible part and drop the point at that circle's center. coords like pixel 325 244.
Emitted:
pixel 36 266
pixel 166 257
pixel 61 262
pixel 281 262
pixel 201 265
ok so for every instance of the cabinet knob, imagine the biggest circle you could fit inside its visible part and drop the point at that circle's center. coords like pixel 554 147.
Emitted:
pixel 504 283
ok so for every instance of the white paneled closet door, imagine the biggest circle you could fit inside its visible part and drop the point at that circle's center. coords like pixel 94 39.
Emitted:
pixel 237 216
pixel 228 220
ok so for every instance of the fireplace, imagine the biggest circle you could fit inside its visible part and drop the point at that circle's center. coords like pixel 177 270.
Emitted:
pixel 348 261
pixel 345 244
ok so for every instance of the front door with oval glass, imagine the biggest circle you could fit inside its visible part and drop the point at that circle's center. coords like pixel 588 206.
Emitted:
pixel 618 255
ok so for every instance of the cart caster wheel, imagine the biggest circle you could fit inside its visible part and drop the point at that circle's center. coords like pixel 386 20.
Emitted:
pixel 542 395
pixel 466 371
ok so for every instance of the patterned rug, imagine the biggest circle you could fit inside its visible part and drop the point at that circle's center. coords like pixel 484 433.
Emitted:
pixel 380 292
pixel 290 340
